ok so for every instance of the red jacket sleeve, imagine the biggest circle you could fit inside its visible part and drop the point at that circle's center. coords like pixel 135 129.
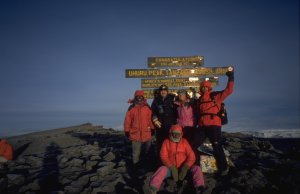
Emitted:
pixel 190 154
pixel 150 120
pixel 127 122
pixel 164 156
pixel 226 92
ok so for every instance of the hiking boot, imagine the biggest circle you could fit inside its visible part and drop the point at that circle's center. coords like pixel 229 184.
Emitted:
pixel 200 189
pixel 148 189
pixel 224 172
pixel 181 186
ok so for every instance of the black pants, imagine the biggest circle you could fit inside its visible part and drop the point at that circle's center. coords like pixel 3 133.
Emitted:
pixel 161 134
pixel 188 134
pixel 213 133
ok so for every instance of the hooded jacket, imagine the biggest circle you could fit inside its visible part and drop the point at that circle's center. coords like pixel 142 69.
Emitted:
pixel 6 150
pixel 138 121
pixel 209 104
pixel 177 154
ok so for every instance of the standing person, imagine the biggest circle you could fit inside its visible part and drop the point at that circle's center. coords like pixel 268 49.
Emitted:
pixel 6 151
pixel 186 117
pixel 209 104
pixel 178 158
pixel 138 126
pixel 164 114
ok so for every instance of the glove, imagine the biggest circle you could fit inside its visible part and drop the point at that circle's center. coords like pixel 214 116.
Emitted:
pixel 230 75
pixel 157 123
pixel 183 172
pixel 174 172
pixel 127 134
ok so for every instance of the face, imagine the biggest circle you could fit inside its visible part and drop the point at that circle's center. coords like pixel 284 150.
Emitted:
pixel 182 97
pixel 204 89
pixel 163 93
pixel 175 136
pixel 139 98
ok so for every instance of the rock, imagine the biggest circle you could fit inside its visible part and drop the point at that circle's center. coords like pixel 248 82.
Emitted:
pixel 109 184
pixel 105 168
pixel 90 164
pixel 262 155
pixel 34 162
pixel 93 158
pixel 122 163
pixel 75 162
pixel 62 159
pixel 34 186
pixel 72 190
pixel 94 178
pixel 79 184
pixel 64 181
pixel 121 169
pixel 109 157
pixel 15 179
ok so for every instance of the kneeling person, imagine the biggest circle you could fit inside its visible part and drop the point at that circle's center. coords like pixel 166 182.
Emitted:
pixel 178 158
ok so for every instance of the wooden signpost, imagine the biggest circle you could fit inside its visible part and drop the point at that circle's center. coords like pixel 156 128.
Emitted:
pixel 177 82
pixel 194 61
pixel 190 72
pixel 175 72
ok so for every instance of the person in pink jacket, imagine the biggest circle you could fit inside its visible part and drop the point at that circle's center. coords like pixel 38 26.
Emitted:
pixel 185 112
pixel 178 158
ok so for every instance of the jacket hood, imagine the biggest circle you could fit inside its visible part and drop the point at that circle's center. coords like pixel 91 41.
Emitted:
pixel 176 128
pixel 138 93
pixel 206 84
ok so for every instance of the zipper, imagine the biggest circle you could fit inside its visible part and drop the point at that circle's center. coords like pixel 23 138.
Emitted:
pixel 176 154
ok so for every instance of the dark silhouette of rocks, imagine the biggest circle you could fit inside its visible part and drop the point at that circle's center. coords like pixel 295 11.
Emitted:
pixel 90 159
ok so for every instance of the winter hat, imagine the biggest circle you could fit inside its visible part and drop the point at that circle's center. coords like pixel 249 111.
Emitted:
pixel 163 87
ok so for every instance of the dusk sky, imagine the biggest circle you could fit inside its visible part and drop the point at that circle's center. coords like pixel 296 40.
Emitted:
pixel 63 62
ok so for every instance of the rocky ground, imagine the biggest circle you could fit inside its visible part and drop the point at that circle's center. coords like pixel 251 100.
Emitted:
pixel 91 159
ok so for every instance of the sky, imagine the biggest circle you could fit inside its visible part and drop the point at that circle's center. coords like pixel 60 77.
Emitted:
pixel 62 63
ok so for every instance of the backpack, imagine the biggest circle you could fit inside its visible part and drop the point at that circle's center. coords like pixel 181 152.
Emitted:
pixel 223 114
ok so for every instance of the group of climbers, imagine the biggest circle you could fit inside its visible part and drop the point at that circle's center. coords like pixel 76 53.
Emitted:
pixel 180 125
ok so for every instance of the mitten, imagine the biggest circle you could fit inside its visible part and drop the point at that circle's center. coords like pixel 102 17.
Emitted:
pixel 230 75
pixel 174 172
pixel 183 171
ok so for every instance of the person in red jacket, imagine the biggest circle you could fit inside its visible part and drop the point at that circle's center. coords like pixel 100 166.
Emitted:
pixel 209 122
pixel 138 126
pixel 6 151
pixel 178 158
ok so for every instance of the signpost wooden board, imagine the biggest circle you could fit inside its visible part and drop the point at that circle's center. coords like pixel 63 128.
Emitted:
pixel 177 82
pixel 175 72
pixel 191 61
pixel 187 72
